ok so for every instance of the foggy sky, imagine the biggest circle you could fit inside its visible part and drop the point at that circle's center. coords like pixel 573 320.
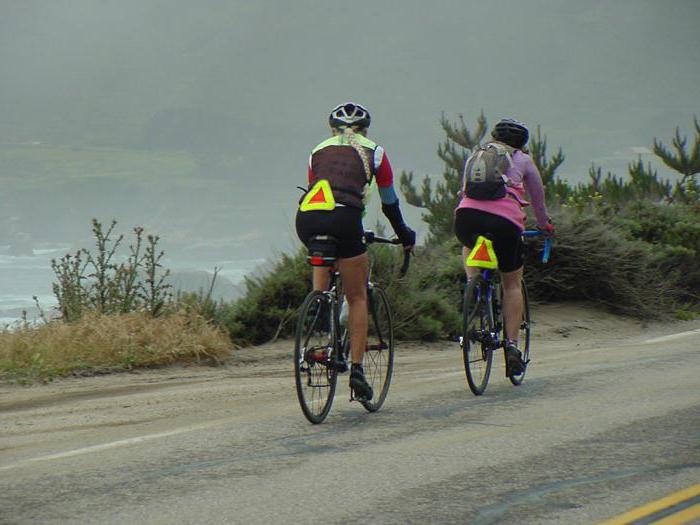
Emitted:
pixel 600 77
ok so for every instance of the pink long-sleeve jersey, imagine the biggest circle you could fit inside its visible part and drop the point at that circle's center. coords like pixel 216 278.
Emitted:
pixel 525 180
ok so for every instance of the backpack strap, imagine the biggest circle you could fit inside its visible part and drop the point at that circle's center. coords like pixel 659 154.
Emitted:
pixel 503 149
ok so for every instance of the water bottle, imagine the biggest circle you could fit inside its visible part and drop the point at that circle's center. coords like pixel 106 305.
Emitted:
pixel 344 311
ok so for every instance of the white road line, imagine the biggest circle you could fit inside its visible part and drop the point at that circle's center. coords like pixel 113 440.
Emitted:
pixel 148 437
pixel 114 444
pixel 671 337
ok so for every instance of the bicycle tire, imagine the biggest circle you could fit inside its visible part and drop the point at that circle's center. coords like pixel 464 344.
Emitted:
pixel 523 337
pixel 378 359
pixel 476 329
pixel 313 351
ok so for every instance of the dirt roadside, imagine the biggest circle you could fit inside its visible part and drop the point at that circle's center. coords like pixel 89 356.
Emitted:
pixel 569 326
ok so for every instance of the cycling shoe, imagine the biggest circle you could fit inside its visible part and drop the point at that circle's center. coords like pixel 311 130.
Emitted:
pixel 359 384
pixel 514 361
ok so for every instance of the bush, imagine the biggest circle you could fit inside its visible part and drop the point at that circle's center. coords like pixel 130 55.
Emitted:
pixel 425 302
pixel 98 343
pixel 639 259
pixel 95 282
pixel 270 306
pixel 631 244
pixel 595 261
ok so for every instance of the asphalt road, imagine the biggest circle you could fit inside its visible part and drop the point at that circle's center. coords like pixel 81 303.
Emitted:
pixel 598 427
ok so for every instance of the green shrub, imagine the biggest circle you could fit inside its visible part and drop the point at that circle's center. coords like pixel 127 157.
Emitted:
pixel 425 302
pixel 597 260
pixel 631 244
pixel 269 308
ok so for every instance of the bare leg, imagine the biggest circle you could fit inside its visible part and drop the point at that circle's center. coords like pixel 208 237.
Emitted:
pixel 471 270
pixel 512 302
pixel 354 272
pixel 321 277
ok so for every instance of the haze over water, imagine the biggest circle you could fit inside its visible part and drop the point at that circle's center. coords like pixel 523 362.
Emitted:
pixel 195 119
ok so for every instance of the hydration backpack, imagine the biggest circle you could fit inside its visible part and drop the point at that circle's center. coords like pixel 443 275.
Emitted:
pixel 485 172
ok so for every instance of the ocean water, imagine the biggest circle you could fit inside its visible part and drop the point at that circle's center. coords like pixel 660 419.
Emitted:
pixel 23 277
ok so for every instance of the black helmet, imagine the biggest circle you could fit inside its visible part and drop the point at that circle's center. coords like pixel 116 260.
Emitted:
pixel 349 114
pixel 511 132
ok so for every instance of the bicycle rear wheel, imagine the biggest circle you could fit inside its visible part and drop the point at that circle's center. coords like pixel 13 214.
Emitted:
pixel 523 337
pixel 378 360
pixel 476 335
pixel 313 351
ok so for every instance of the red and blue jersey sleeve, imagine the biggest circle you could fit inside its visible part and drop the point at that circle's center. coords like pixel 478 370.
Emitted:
pixel 385 175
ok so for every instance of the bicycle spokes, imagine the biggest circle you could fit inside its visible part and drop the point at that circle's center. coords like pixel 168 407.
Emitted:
pixel 378 359
pixel 478 337
pixel 313 353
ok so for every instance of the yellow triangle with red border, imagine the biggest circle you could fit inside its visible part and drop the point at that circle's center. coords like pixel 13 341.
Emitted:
pixel 319 197
pixel 482 255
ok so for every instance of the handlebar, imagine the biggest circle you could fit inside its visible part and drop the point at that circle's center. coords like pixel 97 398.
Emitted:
pixel 547 243
pixel 372 238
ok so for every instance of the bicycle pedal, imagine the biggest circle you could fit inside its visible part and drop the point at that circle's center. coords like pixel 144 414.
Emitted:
pixel 356 396
pixel 359 399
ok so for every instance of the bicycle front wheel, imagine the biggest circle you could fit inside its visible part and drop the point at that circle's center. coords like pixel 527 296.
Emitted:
pixel 523 336
pixel 476 335
pixel 378 360
pixel 313 353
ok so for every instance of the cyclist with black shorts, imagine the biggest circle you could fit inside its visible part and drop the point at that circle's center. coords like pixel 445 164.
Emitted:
pixel 340 172
pixel 492 205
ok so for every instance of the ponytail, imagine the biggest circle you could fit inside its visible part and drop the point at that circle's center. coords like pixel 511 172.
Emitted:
pixel 349 134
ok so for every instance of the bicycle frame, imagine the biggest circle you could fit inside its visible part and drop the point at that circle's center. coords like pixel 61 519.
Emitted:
pixel 492 337
pixel 337 336
pixel 340 337
pixel 321 355
pixel 491 279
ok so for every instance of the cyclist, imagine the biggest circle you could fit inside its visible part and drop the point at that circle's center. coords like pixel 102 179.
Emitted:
pixel 503 219
pixel 349 161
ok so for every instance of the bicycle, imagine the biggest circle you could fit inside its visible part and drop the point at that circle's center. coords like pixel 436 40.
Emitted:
pixel 483 330
pixel 322 347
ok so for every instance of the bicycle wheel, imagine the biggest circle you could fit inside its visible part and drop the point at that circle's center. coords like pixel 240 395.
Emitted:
pixel 313 351
pixel 378 361
pixel 476 335
pixel 523 337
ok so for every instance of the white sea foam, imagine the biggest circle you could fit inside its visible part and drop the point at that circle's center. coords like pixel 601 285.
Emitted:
pixel 23 277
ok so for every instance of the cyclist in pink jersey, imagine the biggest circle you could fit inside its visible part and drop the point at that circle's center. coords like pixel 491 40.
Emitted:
pixel 504 220
pixel 348 161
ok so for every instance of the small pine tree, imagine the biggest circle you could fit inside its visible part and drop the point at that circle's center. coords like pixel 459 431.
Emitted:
pixel 646 183
pixel 554 187
pixel 440 199
pixel 684 162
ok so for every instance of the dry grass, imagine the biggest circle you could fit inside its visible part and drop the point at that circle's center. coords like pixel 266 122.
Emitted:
pixel 105 343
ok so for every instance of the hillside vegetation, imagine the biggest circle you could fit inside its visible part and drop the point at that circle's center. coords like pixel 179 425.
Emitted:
pixel 630 244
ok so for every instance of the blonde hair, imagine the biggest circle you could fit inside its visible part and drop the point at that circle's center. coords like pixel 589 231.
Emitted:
pixel 350 134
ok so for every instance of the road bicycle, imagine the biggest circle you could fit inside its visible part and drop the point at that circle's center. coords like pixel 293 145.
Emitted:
pixel 322 344
pixel 483 328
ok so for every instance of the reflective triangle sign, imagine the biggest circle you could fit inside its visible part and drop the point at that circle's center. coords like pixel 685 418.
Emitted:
pixel 482 255
pixel 319 197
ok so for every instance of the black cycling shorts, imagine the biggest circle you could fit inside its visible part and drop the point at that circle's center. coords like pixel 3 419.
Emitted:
pixel 506 236
pixel 344 223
